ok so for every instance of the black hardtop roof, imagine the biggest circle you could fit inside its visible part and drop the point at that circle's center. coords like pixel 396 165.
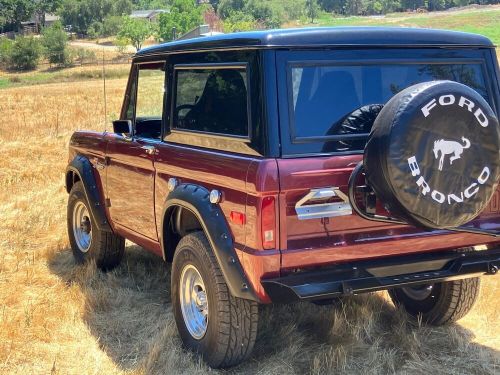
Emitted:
pixel 324 36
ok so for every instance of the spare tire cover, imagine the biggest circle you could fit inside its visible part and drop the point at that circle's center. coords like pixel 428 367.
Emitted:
pixel 433 154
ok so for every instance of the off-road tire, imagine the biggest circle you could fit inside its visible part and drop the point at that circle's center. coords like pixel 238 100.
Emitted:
pixel 106 248
pixel 448 302
pixel 232 322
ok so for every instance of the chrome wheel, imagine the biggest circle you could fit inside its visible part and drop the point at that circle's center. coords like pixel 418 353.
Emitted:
pixel 418 293
pixel 194 302
pixel 82 227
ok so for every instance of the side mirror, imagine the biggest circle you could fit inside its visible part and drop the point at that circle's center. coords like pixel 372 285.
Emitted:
pixel 123 127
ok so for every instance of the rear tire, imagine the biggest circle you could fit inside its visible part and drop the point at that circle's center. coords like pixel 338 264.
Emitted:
pixel 86 240
pixel 441 303
pixel 226 336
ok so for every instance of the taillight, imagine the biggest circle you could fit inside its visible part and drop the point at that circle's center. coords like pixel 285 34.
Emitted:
pixel 268 228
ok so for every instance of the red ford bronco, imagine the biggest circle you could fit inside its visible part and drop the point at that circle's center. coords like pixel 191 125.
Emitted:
pixel 299 165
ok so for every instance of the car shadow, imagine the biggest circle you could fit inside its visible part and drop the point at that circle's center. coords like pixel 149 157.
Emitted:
pixel 129 312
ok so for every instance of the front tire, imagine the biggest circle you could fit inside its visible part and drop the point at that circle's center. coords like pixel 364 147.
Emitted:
pixel 439 303
pixel 86 240
pixel 210 321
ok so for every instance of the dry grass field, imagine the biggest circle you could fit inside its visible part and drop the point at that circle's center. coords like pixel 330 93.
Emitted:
pixel 60 318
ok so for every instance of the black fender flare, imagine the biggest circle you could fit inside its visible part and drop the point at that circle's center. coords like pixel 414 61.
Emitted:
pixel 82 167
pixel 214 224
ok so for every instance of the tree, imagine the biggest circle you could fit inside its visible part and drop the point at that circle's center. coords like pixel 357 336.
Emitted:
pixel 354 7
pixel 184 15
pixel 135 31
pixel 239 21
pixel 226 7
pixel 25 53
pixel 81 14
pixel 270 14
pixel 13 12
pixel 122 7
pixel 312 9
pixel 435 5
pixel 111 25
pixel 55 41
pixel 45 6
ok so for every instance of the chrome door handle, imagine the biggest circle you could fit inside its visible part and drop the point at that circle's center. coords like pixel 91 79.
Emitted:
pixel 150 150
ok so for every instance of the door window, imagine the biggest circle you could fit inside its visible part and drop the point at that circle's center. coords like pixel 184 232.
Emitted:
pixel 149 100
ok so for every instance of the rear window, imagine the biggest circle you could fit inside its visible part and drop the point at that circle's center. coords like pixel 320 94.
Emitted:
pixel 332 107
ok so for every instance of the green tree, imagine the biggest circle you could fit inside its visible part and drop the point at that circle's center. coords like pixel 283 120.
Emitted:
pixel 354 7
pixel 293 9
pixel 312 9
pixel 268 13
pixel 111 25
pixel 226 7
pixel 55 42
pixel 14 12
pixel 122 7
pixel 82 14
pixel 184 15
pixel 336 6
pixel 135 31
pixel 25 53
pixel 46 6
pixel 238 21
pixel 435 5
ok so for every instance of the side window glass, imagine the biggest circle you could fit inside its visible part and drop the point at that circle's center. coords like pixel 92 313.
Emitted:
pixel 211 101
pixel 129 114
pixel 149 100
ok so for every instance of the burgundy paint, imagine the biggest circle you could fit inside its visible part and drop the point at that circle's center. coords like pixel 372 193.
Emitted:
pixel 137 189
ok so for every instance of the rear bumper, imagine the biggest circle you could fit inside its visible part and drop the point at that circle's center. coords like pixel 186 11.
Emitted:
pixel 380 274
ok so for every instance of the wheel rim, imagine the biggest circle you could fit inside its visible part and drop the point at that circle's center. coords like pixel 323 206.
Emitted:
pixel 82 227
pixel 194 301
pixel 418 293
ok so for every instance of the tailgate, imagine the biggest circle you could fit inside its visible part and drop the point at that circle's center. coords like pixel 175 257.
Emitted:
pixel 316 241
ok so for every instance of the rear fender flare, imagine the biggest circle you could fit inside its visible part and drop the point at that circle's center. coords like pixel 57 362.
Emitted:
pixel 214 224
pixel 82 167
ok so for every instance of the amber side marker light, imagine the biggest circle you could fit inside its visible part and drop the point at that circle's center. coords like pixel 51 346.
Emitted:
pixel 237 217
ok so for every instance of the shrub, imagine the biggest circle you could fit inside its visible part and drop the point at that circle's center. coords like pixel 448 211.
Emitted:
pixel 238 21
pixel 5 51
pixel 121 44
pixel 83 55
pixel 94 30
pixel 55 41
pixel 25 54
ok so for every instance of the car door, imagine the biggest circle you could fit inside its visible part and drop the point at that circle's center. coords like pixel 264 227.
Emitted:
pixel 130 157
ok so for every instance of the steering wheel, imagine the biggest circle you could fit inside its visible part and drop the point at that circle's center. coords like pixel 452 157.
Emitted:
pixel 182 107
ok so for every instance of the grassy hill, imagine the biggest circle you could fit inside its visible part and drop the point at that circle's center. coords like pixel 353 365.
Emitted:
pixel 481 20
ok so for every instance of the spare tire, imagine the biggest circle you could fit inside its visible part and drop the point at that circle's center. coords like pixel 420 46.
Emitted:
pixel 433 154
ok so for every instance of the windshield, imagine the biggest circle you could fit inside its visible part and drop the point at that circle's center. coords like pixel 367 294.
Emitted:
pixel 332 107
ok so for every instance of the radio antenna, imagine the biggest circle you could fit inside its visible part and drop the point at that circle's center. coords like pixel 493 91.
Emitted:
pixel 104 89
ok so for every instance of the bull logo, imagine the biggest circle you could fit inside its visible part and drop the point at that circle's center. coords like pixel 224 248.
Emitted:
pixel 452 148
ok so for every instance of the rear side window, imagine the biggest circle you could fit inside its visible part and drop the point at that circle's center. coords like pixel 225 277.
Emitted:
pixel 332 107
pixel 211 100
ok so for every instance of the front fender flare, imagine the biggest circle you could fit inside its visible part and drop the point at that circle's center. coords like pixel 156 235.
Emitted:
pixel 82 167
pixel 196 199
